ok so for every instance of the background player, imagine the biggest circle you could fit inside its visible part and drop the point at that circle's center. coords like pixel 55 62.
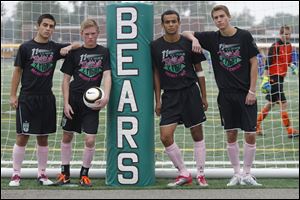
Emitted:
pixel 279 59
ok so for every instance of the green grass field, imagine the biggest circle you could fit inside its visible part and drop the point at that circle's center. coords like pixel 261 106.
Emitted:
pixel 274 146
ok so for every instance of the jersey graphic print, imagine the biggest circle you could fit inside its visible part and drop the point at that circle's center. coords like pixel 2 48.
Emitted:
pixel 174 63
pixel 230 56
pixel 90 66
pixel 42 64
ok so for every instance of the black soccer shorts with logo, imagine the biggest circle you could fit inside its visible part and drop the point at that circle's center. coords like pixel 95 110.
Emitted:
pixel 235 113
pixel 84 118
pixel 182 106
pixel 36 114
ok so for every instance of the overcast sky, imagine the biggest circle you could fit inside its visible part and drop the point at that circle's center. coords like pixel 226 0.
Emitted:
pixel 259 9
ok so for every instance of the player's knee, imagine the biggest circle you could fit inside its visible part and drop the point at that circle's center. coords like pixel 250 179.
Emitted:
pixel 166 140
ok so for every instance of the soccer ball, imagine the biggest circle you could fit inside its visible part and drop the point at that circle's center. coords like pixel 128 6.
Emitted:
pixel 91 95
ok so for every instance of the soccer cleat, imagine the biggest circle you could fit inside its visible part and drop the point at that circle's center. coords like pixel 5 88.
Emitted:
pixel 43 180
pixel 62 179
pixel 15 181
pixel 235 180
pixel 181 180
pixel 249 180
pixel 293 133
pixel 85 181
pixel 202 181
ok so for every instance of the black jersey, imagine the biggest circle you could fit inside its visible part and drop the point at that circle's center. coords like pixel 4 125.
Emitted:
pixel 87 67
pixel 230 58
pixel 38 61
pixel 175 63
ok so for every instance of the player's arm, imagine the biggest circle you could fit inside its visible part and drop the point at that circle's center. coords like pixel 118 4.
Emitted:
pixel 107 88
pixel 15 81
pixel 251 96
pixel 157 90
pixel 201 79
pixel 64 51
pixel 196 47
pixel 65 89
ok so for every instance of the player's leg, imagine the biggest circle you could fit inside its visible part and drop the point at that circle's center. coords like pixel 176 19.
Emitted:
pixel 66 155
pixel 261 116
pixel 18 157
pixel 286 121
pixel 249 156
pixel 42 158
pixel 174 153
pixel 233 155
pixel 199 154
pixel 90 124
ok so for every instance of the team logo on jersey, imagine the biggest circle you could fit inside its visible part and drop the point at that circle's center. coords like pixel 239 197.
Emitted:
pixel 25 126
pixel 230 56
pixel 90 66
pixel 42 62
pixel 173 62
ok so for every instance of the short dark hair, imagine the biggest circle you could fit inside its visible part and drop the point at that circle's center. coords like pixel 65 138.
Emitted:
pixel 220 7
pixel 284 27
pixel 45 16
pixel 170 12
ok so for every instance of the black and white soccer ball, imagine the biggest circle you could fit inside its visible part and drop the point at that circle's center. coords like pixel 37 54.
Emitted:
pixel 91 95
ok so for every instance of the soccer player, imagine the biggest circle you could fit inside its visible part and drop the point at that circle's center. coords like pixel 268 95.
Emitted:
pixel 88 65
pixel 177 71
pixel 35 106
pixel 279 59
pixel 233 53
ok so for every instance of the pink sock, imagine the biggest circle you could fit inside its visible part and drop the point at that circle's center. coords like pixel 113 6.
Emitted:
pixel 233 154
pixel 200 156
pixel 249 155
pixel 42 157
pixel 87 157
pixel 66 153
pixel 174 154
pixel 18 157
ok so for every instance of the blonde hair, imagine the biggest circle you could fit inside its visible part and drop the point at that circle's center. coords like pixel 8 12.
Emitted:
pixel 220 7
pixel 89 23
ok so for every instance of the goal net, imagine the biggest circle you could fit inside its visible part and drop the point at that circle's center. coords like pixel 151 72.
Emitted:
pixel 274 149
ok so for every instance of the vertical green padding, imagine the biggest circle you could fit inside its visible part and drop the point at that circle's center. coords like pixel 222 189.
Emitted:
pixel 132 163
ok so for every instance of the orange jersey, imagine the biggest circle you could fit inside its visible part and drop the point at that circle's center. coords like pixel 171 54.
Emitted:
pixel 279 57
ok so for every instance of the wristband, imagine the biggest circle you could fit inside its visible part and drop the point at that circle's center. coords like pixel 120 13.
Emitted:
pixel 200 74
pixel 251 92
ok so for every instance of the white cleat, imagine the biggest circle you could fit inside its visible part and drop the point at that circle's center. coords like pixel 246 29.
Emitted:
pixel 43 180
pixel 15 181
pixel 249 180
pixel 235 180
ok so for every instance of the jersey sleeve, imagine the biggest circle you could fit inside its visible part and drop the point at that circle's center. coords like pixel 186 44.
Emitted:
pixel 20 58
pixel 68 65
pixel 106 61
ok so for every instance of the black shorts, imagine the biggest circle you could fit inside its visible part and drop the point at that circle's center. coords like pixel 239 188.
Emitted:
pixel 277 93
pixel 235 113
pixel 182 107
pixel 36 114
pixel 84 118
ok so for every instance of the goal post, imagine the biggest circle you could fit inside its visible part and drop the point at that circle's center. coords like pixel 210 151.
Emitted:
pixel 276 155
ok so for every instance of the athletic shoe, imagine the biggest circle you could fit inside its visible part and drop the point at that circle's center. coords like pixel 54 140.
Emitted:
pixel 15 181
pixel 249 180
pixel 202 181
pixel 181 180
pixel 85 181
pixel 235 180
pixel 62 179
pixel 43 180
pixel 293 133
